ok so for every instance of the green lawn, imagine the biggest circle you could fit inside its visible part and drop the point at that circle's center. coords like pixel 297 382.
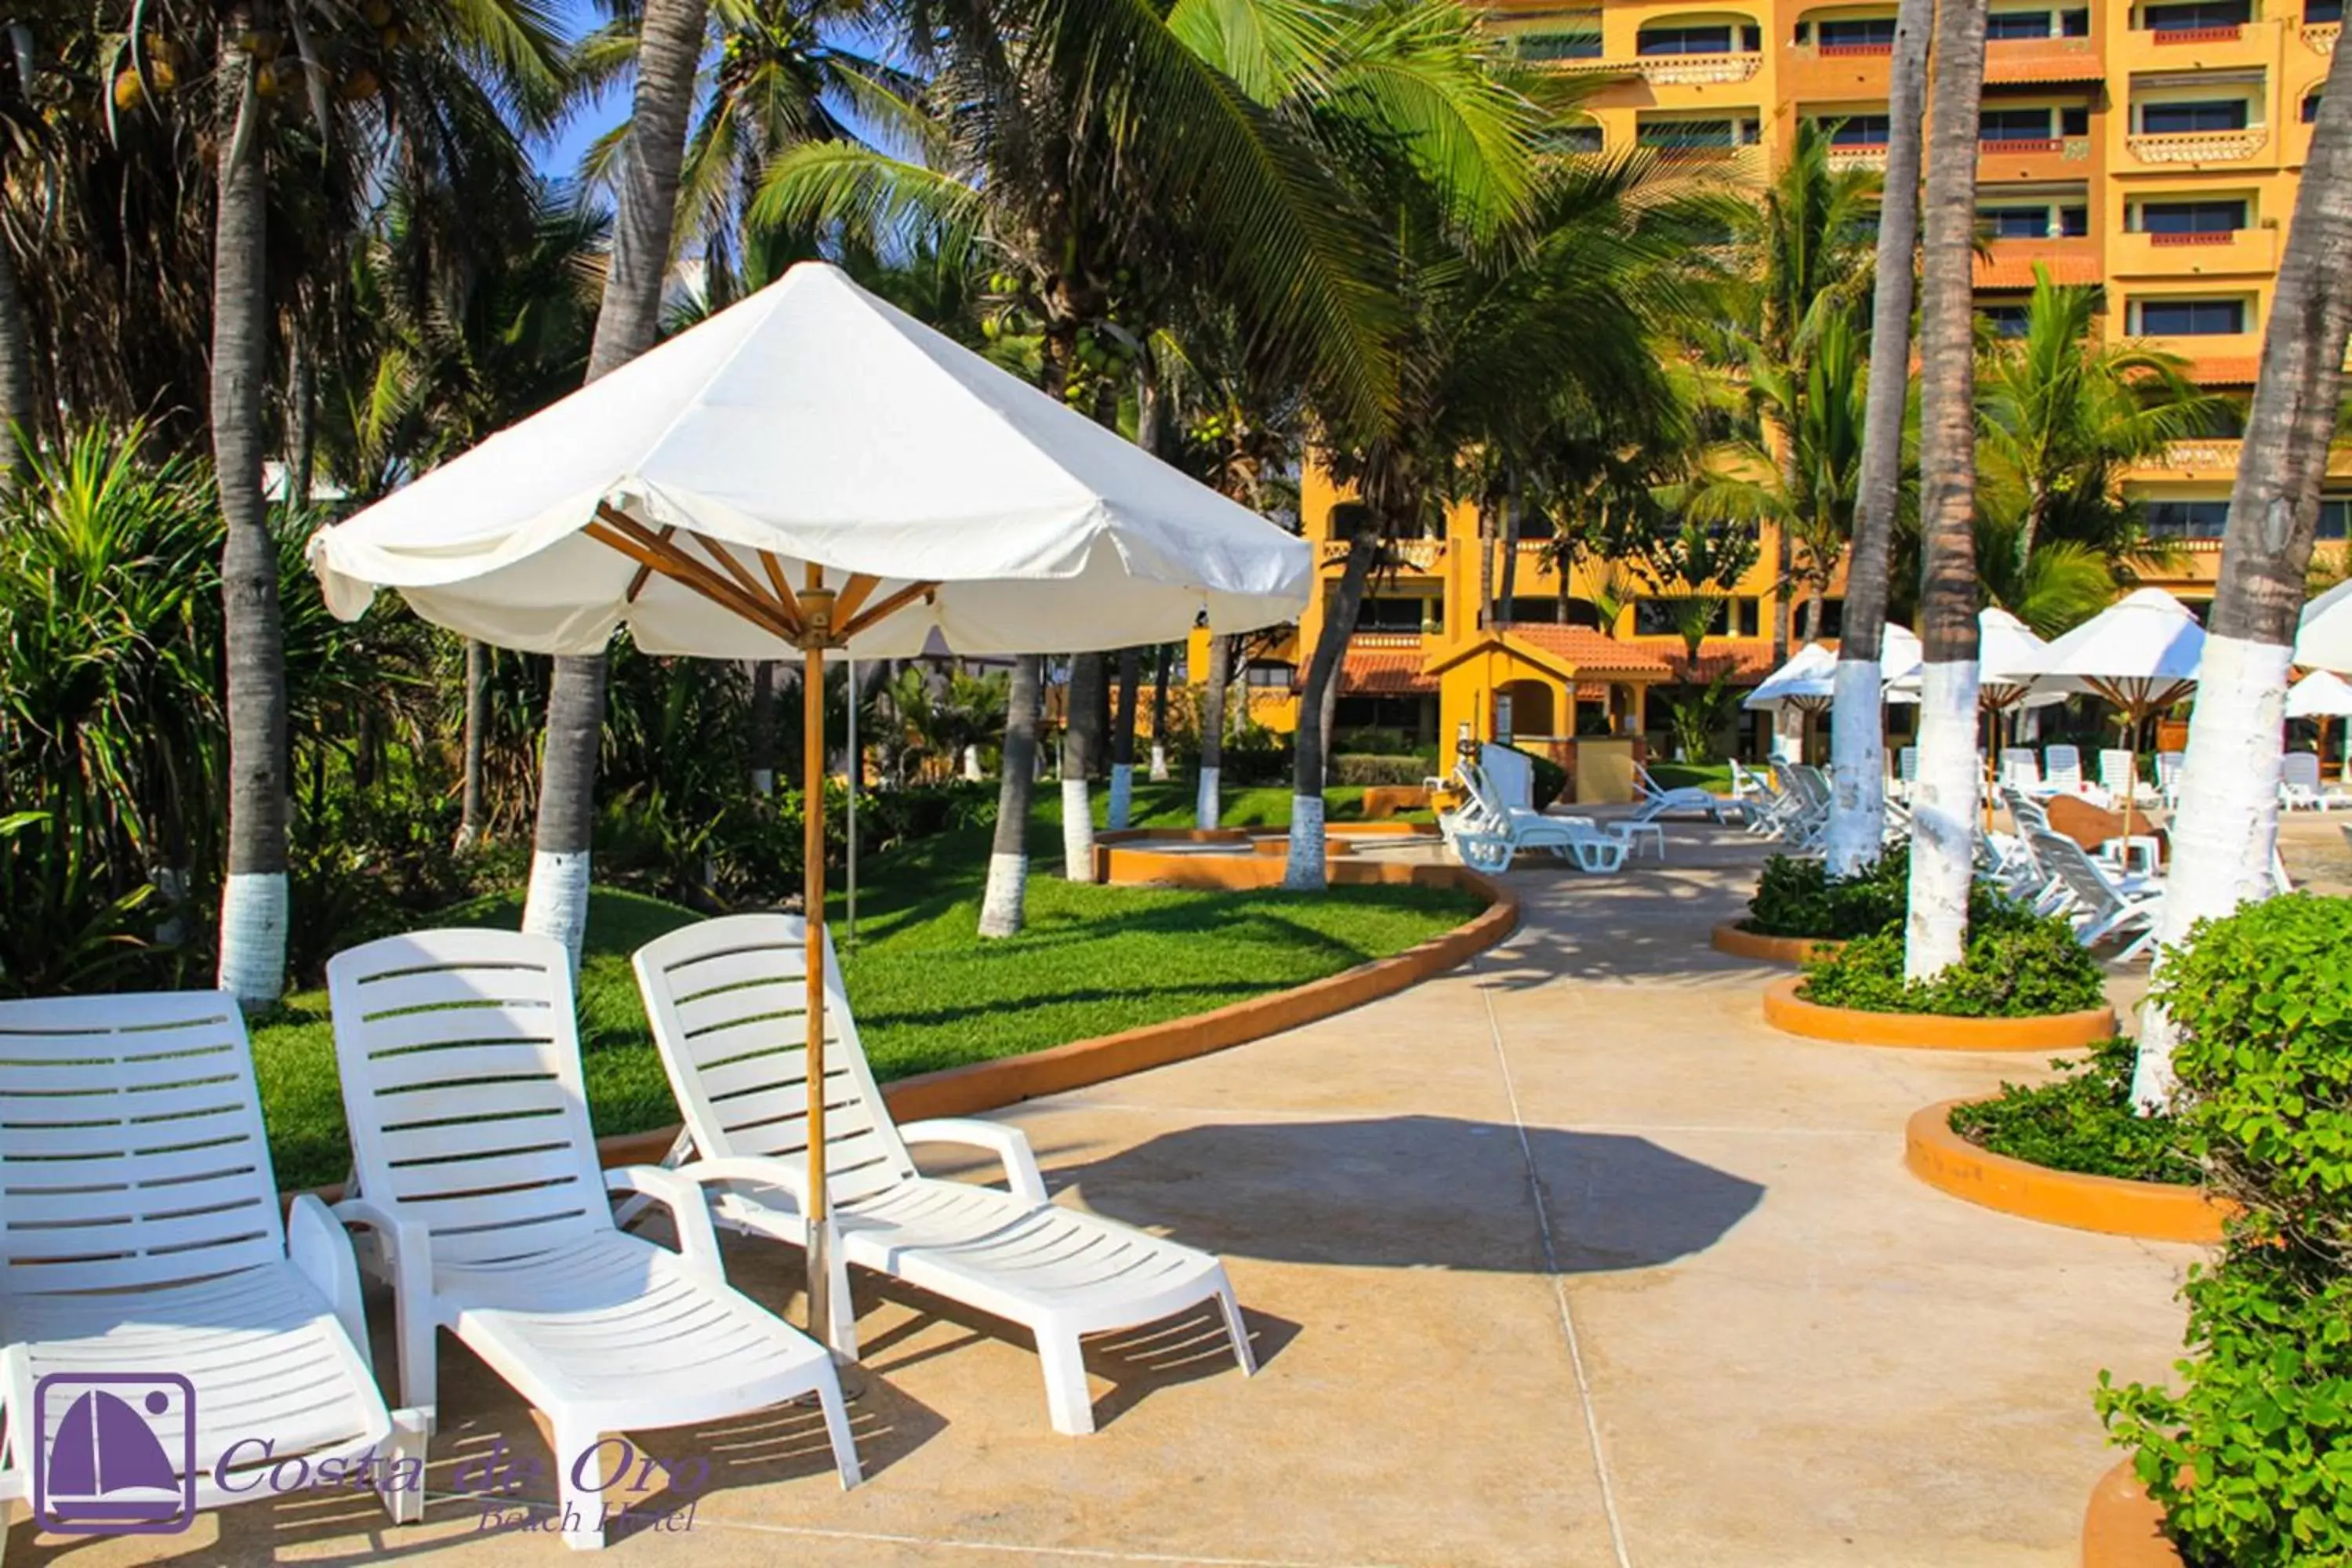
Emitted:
pixel 1714 777
pixel 928 992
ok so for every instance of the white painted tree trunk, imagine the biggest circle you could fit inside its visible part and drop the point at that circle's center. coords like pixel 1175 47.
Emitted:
pixel 971 764
pixel 1000 905
pixel 2225 832
pixel 253 937
pixel 1207 809
pixel 1122 794
pixel 1077 831
pixel 1857 828
pixel 1159 763
pixel 557 902
pixel 1304 870
pixel 1943 820
pixel 1787 734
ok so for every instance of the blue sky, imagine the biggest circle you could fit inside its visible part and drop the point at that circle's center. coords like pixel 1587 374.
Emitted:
pixel 592 120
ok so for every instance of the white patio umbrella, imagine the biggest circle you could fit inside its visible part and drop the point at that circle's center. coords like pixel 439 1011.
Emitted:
pixel 2140 653
pixel 2322 695
pixel 2325 638
pixel 813 470
pixel 1806 683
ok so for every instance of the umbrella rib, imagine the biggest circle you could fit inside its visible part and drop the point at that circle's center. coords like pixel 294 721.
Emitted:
pixel 637 583
pixel 889 606
pixel 733 568
pixel 641 545
pixel 783 587
pixel 854 594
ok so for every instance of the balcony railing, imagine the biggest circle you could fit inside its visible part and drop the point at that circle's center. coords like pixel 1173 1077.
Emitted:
pixel 2206 236
pixel 1862 156
pixel 1413 554
pixel 2207 453
pixel 1384 640
pixel 1853 52
pixel 2227 33
pixel 2320 37
pixel 2199 146
pixel 2014 146
pixel 1671 70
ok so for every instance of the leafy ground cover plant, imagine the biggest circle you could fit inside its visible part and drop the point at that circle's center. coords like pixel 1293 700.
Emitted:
pixel 1796 896
pixel 2017 964
pixel 2082 1120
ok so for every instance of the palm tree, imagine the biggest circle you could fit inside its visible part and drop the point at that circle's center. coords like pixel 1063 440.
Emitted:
pixel 1857 750
pixel 670 51
pixel 1943 814
pixel 2226 829
pixel 1001 909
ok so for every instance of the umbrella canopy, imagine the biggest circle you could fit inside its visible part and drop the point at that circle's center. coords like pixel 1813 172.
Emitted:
pixel 1805 682
pixel 2009 658
pixel 813 426
pixel 2322 694
pixel 2140 653
pixel 2324 641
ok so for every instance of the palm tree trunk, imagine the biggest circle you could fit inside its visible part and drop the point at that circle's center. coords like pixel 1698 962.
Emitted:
pixel 301 416
pixel 19 427
pixel 1485 569
pixel 253 902
pixel 1306 868
pixel 1944 806
pixel 1001 907
pixel 1082 740
pixel 1122 739
pixel 763 728
pixel 1208 809
pixel 1788 723
pixel 478 724
pixel 1508 595
pixel 1857 749
pixel 2225 834
pixel 1159 715
pixel 670 52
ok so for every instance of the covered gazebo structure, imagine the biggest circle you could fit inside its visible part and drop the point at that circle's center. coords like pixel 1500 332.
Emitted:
pixel 1569 693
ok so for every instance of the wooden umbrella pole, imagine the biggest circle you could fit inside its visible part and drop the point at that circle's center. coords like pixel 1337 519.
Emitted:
pixel 816 614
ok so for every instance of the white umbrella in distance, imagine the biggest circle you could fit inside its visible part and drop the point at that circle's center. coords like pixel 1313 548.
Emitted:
pixel 813 470
pixel 1806 682
pixel 2322 695
pixel 2323 639
pixel 2140 653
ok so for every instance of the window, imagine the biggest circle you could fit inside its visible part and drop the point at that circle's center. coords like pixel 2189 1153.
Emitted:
pixel 2186 519
pixel 2333 516
pixel 1869 33
pixel 1393 612
pixel 2018 24
pixel 1712 39
pixel 1860 130
pixel 2006 321
pixel 1662 618
pixel 1832 618
pixel 2074 24
pixel 2074 120
pixel 2310 106
pixel 2016 223
pixel 2189 318
pixel 1270 672
pixel 2014 125
pixel 1525 611
pixel 2316 12
pixel 1565 139
pixel 2196 16
pixel 2073 221
pixel 2188 118
pixel 2192 217
pixel 1697 133
pixel 1751 617
pixel 1584 44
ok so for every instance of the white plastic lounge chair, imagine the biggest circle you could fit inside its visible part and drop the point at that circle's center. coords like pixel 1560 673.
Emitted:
pixel 2119 777
pixel 1658 801
pixel 2020 769
pixel 1907 769
pixel 2061 769
pixel 2101 905
pixel 1487 833
pixel 728 1001
pixel 2168 777
pixel 139 1233
pixel 2301 787
pixel 460 1057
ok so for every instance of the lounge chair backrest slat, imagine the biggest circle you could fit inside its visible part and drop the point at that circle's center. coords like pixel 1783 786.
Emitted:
pixel 728 999
pixel 131 1149
pixel 2300 770
pixel 2061 766
pixel 460 1060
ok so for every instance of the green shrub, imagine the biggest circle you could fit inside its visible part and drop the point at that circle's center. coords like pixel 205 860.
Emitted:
pixel 1797 897
pixel 2017 964
pixel 2252 1458
pixel 1364 768
pixel 2082 1120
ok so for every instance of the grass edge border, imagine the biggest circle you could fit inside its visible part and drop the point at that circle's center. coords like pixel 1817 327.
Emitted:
pixel 1793 1015
pixel 2111 1206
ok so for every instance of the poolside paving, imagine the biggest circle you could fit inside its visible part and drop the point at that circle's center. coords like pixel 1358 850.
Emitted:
pixel 1562 1257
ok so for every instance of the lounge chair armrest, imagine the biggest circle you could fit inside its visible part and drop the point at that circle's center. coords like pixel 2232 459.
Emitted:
pixel 1010 1144
pixel 406 1241
pixel 320 1251
pixel 754 1170
pixel 689 1212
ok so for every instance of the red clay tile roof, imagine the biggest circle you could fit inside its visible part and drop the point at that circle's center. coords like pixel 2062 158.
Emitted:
pixel 1746 660
pixel 1384 672
pixel 1589 651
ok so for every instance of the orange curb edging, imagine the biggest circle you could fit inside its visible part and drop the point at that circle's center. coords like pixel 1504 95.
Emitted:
pixel 2122 1528
pixel 991 1085
pixel 1787 1011
pixel 2152 1211
pixel 1731 937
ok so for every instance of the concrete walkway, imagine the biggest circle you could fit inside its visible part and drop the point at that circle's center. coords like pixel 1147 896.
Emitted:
pixel 1562 1259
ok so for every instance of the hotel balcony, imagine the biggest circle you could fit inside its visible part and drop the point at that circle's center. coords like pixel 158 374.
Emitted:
pixel 2242 46
pixel 1672 70
pixel 2199 149
pixel 1862 156
pixel 1415 557
pixel 2319 37
pixel 1829 72
pixel 2039 159
pixel 2212 460
pixel 2014 60
pixel 2228 253
pixel 2008 264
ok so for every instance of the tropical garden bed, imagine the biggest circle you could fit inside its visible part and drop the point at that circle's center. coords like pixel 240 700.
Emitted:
pixel 928 994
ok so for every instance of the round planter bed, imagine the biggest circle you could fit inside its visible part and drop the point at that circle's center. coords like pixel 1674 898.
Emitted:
pixel 1734 939
pixel 1787 1011
pixel 2122 1528
pixel 2153 1211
